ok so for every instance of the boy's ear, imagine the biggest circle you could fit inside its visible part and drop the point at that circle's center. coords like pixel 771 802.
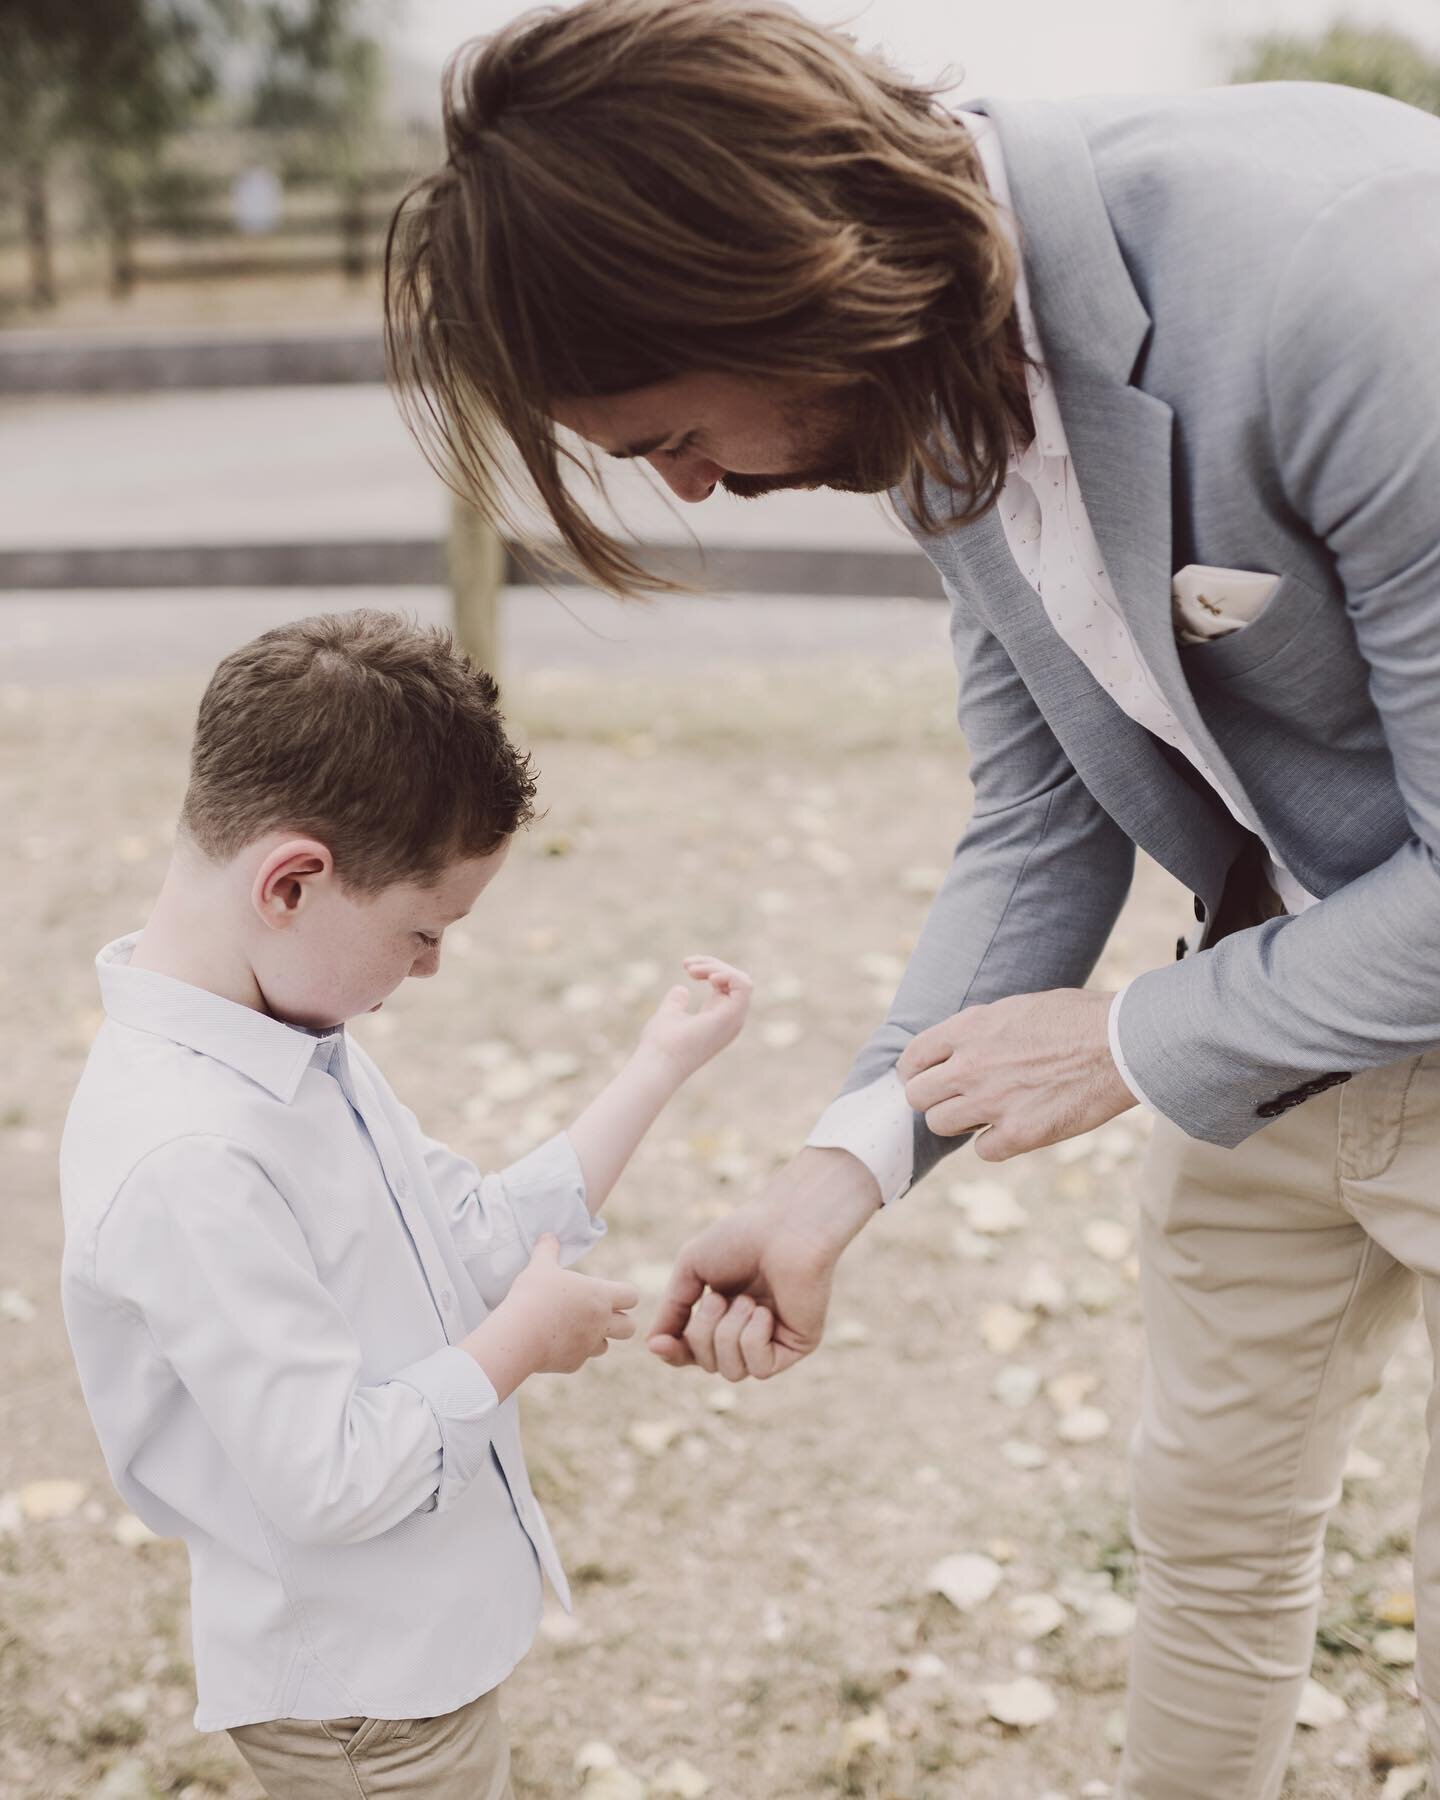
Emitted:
pixel 285 877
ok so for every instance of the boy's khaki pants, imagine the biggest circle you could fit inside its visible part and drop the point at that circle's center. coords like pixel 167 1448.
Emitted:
pixel 463 1755
pixel 1276 1280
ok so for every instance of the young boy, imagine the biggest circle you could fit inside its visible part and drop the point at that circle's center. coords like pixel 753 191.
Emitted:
pixel 300 1323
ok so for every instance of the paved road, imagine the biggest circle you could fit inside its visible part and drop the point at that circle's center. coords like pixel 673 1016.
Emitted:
pixel 315 463
pixel 294 463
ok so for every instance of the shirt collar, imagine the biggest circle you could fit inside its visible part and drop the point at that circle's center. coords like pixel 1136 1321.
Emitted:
pixel 1049 438
pixel 264 1049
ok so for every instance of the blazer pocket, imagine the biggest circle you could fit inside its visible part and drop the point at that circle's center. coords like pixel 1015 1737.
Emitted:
pixel 1210 602
pixel 1292 609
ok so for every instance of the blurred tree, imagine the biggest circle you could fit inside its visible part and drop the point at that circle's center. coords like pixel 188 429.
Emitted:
pixel 39 54
pixel 320 70
pixel 112 83
pixel 320 83
pixel 162 64
pixel 1386 62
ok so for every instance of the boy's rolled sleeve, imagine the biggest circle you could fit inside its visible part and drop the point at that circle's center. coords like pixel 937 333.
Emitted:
pixel 461 1396
pixel 547 1191
pixel 496 1219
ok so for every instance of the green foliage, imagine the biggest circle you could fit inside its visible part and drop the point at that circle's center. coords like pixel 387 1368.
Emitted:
pixel 105 86
pixel 1385 62
pixel 118 77
pixel 102 90
pixel 320 76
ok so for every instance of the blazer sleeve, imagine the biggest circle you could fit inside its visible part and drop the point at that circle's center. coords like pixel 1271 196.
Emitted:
pixel 1035 883
pixel 1224 1040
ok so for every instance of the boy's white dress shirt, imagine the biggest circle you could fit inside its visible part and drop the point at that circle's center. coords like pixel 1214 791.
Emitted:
pixel 268 1270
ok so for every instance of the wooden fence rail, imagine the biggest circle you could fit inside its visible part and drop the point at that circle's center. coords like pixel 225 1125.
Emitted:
pixel 426 562
pixel 473 560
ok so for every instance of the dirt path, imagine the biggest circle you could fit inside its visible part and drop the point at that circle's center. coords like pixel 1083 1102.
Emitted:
pixel 751 1566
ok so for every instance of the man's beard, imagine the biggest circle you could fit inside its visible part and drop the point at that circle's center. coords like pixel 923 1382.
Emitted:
pixel 827 436
pixel 840 476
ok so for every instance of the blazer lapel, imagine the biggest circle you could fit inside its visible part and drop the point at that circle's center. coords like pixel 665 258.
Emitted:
pixel 1092 329
pixel 1175 820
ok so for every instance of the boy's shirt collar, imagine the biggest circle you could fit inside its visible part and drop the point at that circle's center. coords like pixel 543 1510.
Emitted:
pixel 264 1049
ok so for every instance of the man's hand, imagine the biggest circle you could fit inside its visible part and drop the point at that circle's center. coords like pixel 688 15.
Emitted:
pixel 768 1268
pixel 1023 1072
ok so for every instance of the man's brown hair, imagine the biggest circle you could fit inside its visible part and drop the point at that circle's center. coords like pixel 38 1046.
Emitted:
pixel 372 734
pixel 636 190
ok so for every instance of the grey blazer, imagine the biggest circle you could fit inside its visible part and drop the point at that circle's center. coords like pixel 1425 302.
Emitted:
pixel 1238 297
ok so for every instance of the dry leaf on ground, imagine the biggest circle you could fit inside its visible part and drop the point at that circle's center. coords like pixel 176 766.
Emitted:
pixel 1319 1707
pixel 860 1738
pixel 1036 1615
pixel 1086 1425
pixel 1023 1703
pixel 1107 1239
pixel 1004 1327
pixel 967 1580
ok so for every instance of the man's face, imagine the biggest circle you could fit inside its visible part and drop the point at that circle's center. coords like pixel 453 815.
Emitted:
pixel 328 954
pixel 700 432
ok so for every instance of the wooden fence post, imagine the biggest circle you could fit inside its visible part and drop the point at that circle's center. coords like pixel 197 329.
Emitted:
pixel 477 576
pixel 352 230
pixel 39 240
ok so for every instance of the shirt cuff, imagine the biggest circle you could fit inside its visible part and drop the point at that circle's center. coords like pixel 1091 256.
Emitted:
pixel 546 1189
pixel 876 1124
pixel 463 1399
pixel 1119 1055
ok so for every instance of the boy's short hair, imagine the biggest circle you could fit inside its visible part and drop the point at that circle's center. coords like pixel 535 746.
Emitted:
pixel 373 734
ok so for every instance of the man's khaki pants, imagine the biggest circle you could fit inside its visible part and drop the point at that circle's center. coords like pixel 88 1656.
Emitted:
pixel 461 1755
pixel 1276 1280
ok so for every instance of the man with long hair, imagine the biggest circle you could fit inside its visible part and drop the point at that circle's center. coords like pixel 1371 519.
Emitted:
pixel 1156 386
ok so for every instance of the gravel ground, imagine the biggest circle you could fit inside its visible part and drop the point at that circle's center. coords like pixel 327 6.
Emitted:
pixel 753 1567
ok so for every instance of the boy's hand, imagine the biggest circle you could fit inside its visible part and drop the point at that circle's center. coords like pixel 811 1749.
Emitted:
pixel 551 1322
pixel 687 1040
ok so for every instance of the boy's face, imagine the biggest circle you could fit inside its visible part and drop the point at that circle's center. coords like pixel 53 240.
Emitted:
pixel 328 954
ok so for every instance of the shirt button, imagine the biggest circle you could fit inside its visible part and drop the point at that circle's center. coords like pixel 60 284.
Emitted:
pixel 402 1186
pixel 447 1299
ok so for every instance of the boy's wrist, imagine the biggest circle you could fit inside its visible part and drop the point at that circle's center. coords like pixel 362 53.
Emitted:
pixel 505 1347
pixel 659 1070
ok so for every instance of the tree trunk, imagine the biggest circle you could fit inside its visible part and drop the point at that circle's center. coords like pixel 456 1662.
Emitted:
pixel 120 230
pixel 35 200
pixel 352 230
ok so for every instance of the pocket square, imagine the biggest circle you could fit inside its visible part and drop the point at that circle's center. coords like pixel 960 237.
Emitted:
pixel 1209 603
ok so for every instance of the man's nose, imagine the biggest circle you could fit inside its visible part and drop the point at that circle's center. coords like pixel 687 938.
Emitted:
pixel 691 478
pixel 426 964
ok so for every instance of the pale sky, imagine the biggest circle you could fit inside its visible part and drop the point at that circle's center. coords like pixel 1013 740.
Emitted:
pixel 1043 47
